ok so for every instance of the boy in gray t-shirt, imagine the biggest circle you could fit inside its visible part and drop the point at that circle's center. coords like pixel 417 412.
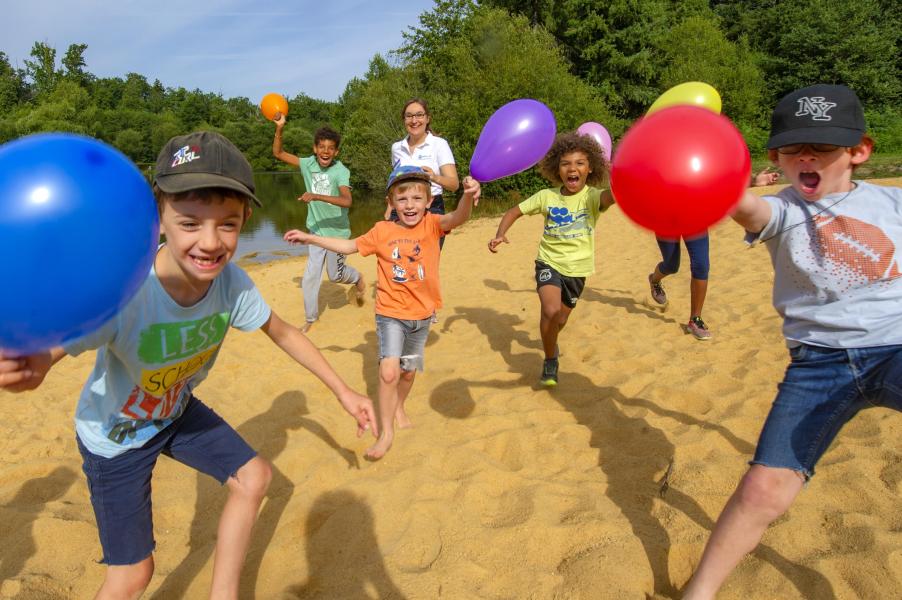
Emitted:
pixel 139 402
pixel 838 286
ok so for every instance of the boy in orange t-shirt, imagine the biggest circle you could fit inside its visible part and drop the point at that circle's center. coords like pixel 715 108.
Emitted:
pixel 407 287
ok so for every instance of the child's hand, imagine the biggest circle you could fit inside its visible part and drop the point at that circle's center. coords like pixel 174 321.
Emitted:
pixel 765 177
pixel 307 197
pixel 296 236
pixel 279 120
pixel 361 408
pixel 21 373
pixel 472 187
pixel 494 243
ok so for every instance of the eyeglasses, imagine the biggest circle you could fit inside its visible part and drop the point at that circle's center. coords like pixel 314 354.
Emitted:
pixel 416 115
pixel 819 148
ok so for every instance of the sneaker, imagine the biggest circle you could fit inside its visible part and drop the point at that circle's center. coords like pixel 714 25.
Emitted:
pixel 698 328
pixel 549 372
pixel 657 291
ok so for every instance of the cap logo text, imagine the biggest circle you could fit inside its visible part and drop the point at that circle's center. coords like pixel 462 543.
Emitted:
pixel 815 106
pixel 185 155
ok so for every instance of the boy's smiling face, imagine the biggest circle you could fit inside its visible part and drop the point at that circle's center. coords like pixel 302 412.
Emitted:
pixel 201 238
pixel 815 174
pixel 410 200
pixel 325 152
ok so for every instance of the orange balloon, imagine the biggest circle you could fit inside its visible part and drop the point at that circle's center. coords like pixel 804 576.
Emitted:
pixel 272 104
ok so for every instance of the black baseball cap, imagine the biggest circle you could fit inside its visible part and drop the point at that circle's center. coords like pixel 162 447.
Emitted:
pixel 203 159
pixel 817 114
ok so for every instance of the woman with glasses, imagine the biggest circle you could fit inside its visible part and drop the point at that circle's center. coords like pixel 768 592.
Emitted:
pixel 422 148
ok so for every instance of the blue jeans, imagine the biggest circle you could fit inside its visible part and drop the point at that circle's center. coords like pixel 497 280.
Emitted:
pixel 822 390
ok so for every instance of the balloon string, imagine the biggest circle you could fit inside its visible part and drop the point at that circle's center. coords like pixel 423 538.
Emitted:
pixel 809 219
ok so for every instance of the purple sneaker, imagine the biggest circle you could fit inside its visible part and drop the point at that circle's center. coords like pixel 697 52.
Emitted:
pixel 698 329
pixel 657 291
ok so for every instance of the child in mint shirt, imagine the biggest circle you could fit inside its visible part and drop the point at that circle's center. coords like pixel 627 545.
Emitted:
pixel 328 199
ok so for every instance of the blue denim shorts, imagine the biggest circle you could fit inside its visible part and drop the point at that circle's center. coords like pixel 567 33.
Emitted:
pixel 403 339
pixel 822 390
pixel 120 486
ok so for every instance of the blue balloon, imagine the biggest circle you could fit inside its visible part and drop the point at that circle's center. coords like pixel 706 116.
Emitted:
pixel 78 235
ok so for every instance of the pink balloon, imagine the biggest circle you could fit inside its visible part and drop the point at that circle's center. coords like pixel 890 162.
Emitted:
pixel 600 134
pixel 514 138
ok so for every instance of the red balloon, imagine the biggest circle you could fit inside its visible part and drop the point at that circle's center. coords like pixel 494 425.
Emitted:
pixel 680 170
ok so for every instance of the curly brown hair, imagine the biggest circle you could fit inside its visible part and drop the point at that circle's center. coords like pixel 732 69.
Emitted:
pixel 565 143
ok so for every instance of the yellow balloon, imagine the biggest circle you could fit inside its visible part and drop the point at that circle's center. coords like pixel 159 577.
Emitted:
pixel 693 93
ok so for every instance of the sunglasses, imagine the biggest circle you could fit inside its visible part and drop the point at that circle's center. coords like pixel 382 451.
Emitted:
pixel 819 148
pixel 416 115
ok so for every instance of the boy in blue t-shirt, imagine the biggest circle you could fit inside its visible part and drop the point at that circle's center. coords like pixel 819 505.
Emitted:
pixel 139 400
pixel 328 198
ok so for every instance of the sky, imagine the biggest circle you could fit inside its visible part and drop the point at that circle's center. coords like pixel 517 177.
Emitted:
pixel 230 47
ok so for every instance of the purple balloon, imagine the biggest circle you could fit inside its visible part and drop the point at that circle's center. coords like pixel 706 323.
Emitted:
pixel 600 134
pixel 514 138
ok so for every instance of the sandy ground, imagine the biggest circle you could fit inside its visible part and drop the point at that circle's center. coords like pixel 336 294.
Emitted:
pixel 502 490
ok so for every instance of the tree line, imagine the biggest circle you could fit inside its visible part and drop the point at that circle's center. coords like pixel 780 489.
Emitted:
pixel 587 60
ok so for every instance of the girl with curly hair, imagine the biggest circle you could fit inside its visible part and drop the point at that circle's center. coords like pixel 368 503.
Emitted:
pixel 575 164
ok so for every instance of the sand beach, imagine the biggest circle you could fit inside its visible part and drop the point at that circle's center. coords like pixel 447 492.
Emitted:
pixel 606 486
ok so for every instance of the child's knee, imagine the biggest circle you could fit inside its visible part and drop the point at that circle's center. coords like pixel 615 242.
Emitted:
pixel 252 480
pixel 128 581
pixel 389 374
pixel 769 492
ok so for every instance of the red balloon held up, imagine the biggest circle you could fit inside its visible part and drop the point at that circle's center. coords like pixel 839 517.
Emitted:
pixel 680 170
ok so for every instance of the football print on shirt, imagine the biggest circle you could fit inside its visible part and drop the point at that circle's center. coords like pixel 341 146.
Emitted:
pixel 858 253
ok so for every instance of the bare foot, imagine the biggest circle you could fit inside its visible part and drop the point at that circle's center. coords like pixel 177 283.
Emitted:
pixel 306 326
pixel 361 291
pixel 402 420
pixel 380 448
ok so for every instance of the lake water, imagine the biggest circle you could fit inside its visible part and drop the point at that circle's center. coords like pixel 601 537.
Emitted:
pixel 261 237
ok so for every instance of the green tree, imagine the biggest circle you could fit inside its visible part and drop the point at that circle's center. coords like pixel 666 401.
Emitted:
pixel 42 70
pixel 12 85
pixel 74 64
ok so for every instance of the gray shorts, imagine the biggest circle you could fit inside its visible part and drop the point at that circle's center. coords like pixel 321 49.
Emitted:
pixel 403 339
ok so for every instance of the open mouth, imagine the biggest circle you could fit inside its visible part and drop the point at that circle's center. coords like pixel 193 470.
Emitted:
pixel 809 181
pixel 205 263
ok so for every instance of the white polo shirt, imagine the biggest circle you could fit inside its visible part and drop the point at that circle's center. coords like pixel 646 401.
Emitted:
pixel 434 153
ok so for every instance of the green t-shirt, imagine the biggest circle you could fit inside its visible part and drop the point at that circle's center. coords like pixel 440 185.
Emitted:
pixel 323 218
pixel 568 243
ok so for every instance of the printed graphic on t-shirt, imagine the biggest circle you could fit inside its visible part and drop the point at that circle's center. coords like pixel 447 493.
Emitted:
pixel 321 184
pixel 857 253
pixel 407 256
pixel 562 223
pixel 161 394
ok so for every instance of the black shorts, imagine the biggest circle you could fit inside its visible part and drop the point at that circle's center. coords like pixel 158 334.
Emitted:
pixel 571 287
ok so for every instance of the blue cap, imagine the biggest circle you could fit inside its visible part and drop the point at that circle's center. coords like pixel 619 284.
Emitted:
pixel 405 173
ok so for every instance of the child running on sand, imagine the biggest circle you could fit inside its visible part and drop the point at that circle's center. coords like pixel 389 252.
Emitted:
pixel 139 400
pixel 566 256
pixel 834 244
pixel 407 287
pixel 328 199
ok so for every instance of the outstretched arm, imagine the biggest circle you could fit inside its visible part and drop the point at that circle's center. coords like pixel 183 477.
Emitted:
pixel 21 373
pixel 752 212
pixel 459 215
pixel 296 236
pixel 277 150
pixel 296 345
pixel 507 220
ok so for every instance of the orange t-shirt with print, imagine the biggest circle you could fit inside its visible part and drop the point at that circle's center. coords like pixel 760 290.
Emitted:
pixel 407 285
